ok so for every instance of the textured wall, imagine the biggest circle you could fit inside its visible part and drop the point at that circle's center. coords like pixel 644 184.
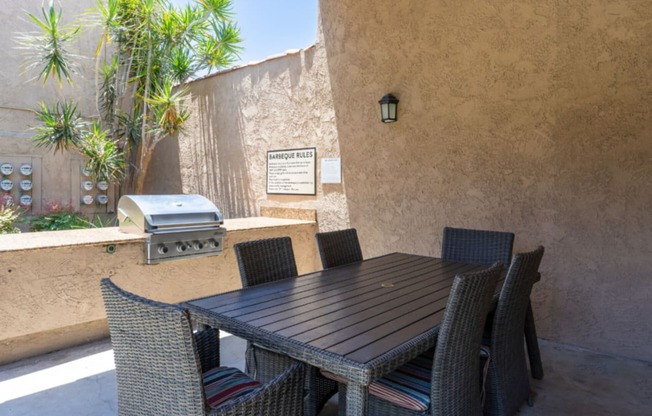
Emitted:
pixel 530 116
pixel 49 282
pixel 237 116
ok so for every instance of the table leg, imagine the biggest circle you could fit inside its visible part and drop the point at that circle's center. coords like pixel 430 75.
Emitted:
pixel 357 396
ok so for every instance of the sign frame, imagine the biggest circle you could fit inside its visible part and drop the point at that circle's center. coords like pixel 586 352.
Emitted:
pixel 290 157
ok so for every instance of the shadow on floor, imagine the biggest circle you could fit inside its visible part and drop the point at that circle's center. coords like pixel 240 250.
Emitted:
pixel 81 381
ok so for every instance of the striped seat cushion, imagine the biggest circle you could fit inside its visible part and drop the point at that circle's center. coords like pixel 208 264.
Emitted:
pixel 408 386
pixel 222 384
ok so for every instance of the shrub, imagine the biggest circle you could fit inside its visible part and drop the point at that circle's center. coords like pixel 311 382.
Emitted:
pixel 8 217
pixel 57 217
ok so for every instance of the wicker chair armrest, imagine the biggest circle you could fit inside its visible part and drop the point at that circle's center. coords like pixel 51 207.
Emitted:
pixel 208 347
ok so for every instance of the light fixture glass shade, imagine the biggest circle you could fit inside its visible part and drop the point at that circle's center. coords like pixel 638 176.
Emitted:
pixel 388 108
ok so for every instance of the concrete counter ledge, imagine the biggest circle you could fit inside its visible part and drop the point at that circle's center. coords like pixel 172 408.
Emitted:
pixel 112 235
pixel 50 297
pixel 52 239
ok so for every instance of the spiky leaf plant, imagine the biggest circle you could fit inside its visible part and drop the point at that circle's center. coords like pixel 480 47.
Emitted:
pixel 48 50
pixel 105 160
pixel 62 127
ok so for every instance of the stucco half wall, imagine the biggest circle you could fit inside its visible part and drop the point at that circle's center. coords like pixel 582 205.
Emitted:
pixel 50 297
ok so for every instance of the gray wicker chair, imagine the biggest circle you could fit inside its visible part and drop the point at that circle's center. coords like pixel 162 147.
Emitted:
pixel 508 384
pixel 455 388
pixel 487 247
pixel 162 368
pixel 264 261
pixel 338 247
pixel 477 246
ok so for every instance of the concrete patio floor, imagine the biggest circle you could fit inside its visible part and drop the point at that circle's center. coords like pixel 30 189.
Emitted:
pixel 81 381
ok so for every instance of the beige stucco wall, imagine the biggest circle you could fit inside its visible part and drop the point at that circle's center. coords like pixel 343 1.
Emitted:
pixel 50 297
pixel 239 115
pixel 56 178
pixel 529 116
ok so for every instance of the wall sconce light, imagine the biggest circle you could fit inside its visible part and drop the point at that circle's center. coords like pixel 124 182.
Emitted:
pixel 388 108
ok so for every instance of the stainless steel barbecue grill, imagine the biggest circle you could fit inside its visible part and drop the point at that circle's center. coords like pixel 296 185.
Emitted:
pixel 176 226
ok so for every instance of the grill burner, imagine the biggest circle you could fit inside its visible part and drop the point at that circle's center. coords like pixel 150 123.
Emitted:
pixel 176 226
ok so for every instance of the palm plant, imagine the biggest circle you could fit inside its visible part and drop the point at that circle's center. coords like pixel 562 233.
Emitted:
pixel 48 49
pixel 105 160
pixel 156 46
pixel 61 126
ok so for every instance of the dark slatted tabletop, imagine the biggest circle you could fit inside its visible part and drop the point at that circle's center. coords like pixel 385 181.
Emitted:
pixel 344 319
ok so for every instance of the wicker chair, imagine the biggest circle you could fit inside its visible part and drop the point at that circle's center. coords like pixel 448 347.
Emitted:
pixel 477 246
pixel 338 247
pixel 487 247
pixel 264 261
pixel 507 381
pixel 268 260
pixel 162 368
pixel 449 375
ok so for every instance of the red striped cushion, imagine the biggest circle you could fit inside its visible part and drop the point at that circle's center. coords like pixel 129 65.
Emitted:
pixel 408 386
pixel 222 384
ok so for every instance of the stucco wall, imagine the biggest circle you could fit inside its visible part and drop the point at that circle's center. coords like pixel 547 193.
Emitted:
pixel 529 116
pixel 50 297
pixel 56 178
pixel 237 116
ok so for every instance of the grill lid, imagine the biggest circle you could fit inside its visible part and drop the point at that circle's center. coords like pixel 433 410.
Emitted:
pixel 167 213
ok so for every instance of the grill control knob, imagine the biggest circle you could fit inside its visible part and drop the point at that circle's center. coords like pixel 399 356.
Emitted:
pixel 197 245
pixel 214 243
pixel 162 249
pixel 181 247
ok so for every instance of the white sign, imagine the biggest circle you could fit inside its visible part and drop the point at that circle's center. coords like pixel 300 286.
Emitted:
pixel 292 172
pixel 331 170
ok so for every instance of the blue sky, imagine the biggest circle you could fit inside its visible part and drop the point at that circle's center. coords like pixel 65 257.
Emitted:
pixel 274 26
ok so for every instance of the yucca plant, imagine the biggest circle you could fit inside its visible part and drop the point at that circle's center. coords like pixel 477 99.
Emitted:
pixel 156 46
pixel 105 160
pixel 62 127
pixel 107 94
pixel 48 50
pixel 167 109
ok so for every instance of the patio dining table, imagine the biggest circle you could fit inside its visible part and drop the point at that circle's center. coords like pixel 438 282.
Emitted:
pixel 358 321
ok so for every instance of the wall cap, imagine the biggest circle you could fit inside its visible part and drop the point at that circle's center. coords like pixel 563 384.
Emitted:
pixel 112 235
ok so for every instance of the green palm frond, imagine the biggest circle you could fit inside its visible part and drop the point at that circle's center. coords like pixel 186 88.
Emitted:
pixel 167 109
pixel 105 160
pixel 62 126
pixel 221 48
pixel 129 129
pixel 107 10
pixel 181 64
pixel 220 9
pixel 107 90
pixel 48 50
